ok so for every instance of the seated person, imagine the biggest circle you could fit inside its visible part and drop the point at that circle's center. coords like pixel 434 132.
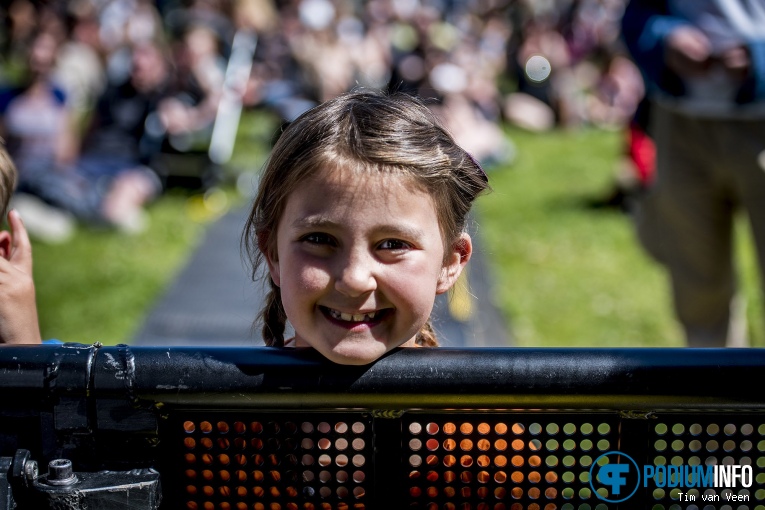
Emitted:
pixel 35 119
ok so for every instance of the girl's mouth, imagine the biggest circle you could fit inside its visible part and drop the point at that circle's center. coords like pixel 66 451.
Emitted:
pixel 352 319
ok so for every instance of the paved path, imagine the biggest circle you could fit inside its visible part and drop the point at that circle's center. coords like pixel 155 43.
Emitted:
pixel 213 300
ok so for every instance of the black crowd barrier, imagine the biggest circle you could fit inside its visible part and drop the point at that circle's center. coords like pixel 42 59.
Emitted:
pixel 93 427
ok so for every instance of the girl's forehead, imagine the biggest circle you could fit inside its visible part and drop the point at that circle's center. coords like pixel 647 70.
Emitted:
pixel 346 169
pixel 357 189
pixel 360 177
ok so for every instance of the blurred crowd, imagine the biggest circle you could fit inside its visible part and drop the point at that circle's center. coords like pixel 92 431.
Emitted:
pixel 96 94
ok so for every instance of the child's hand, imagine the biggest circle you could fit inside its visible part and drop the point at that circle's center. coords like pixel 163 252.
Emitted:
pixel 18 311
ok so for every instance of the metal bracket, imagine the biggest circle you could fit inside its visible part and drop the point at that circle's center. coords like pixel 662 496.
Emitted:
pixel 63 489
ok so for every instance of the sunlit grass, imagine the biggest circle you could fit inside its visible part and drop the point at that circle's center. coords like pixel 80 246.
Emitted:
pixel 99 285
pixel 570 275
pixel 750 283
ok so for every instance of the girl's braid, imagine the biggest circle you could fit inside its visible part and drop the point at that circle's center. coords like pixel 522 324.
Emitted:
pixel 274 318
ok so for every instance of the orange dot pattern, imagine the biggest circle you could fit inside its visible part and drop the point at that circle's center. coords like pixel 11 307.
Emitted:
pixel 709 440
pixel 486 461
pixel 450 461
pixel 276 461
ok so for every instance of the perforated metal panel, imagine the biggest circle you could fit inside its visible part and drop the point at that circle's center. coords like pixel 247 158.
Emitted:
pixel 449 461
pixel 274 461
pixel 489 461
pixel 703 440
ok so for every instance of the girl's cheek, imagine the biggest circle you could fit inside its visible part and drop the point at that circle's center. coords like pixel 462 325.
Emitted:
pixel 313 277
pixel 412 285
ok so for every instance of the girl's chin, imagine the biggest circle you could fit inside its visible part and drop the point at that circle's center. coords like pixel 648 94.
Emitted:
pixel 351 351
pixel 355 353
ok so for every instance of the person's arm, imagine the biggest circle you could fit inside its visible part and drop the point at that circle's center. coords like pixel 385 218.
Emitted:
pixel 67 141
pixel 754 83
pixel 18 310
pixel 646 29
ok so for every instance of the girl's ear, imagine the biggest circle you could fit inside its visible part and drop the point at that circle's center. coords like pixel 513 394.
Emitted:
pixel 455 260
pixel 273 263
pixel 273 268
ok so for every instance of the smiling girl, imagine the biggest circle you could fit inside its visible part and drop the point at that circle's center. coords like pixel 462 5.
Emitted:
pixel 360 217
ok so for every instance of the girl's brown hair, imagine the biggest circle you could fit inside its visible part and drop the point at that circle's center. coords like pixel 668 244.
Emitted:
pixel 366 132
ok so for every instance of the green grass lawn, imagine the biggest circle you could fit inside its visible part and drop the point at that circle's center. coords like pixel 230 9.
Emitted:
pixel 566 275
pixel 100 284
pixel 570 275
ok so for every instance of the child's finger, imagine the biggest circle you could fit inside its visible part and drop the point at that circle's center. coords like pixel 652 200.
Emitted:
pixel 21 249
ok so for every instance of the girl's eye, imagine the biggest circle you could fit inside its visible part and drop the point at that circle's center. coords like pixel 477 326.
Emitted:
pixel 394 244
pixel 318 238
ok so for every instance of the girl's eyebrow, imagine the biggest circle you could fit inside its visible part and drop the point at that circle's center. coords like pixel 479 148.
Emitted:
pixel 404 231
pixel 314 222
pixel 395 230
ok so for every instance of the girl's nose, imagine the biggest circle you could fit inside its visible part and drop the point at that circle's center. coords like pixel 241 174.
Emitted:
pixel 356 276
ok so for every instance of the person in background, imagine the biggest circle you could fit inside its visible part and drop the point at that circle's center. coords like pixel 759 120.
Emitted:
pixel 42 140
pixel 704 67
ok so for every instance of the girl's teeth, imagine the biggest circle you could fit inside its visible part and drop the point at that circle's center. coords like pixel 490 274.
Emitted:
pixel 352 317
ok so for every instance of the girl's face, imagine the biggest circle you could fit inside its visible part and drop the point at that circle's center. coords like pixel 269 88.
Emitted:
pixel 360 259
